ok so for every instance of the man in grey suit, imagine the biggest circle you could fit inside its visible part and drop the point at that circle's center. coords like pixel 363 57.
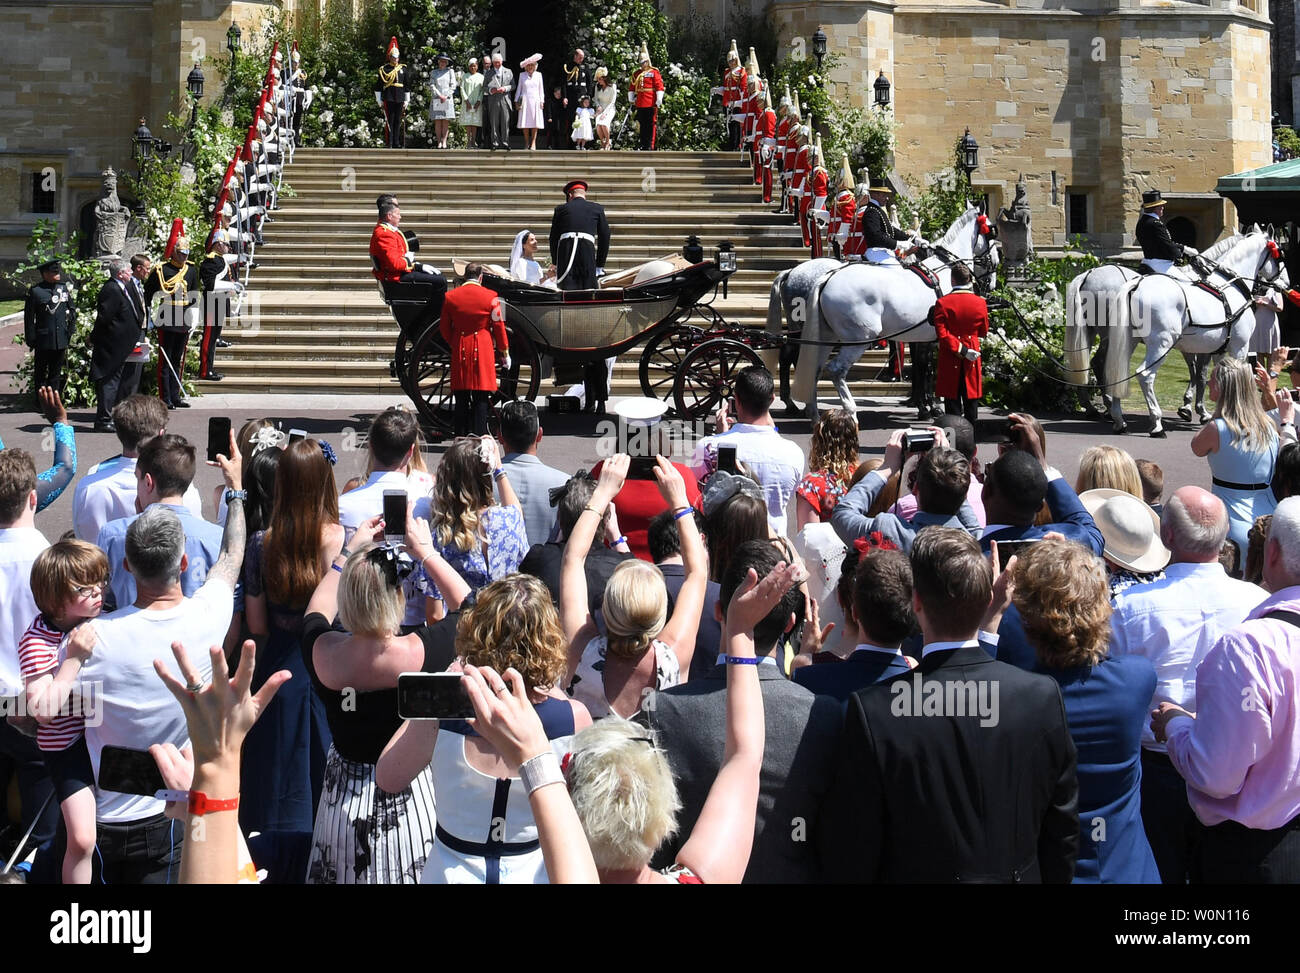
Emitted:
pixel 531 479
pixel 689 723
pixel 497 86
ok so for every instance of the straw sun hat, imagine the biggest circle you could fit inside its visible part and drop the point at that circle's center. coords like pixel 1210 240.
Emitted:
pixel 1130 528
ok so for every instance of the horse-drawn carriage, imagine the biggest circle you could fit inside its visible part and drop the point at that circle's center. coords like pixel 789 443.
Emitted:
pixel 689 351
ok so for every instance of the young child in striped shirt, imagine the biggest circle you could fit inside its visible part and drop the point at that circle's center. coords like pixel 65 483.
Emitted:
pixel 68 581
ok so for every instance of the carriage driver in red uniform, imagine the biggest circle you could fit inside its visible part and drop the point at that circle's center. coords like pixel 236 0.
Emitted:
pixel 390 251
pixel 960 319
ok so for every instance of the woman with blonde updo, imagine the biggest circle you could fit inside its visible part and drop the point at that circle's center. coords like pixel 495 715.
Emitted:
pixel 641 648
pixel 1108 468
pixel 1062 593
pixel 512 625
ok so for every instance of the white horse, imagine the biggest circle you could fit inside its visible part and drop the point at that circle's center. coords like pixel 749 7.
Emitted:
pixel 859 304
pixel 1167 314
pixel 1089 298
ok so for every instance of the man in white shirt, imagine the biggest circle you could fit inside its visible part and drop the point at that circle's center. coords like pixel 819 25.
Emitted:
pixel 1175 622
pixel 20 544
pixel 393 438
pixel 107 491
pixel 531 479
pixel 776 463
pixel 111 659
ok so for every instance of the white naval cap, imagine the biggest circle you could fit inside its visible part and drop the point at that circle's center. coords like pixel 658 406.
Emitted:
pixel 641 411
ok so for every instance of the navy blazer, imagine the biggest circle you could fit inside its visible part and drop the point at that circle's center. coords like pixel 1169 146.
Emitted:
pixel 840 680
pixel 1107 706
pixel 1069 517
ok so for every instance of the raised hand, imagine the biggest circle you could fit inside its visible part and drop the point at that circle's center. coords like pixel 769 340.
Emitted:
pixel 613 474
pixel 754 599
pixel 671 485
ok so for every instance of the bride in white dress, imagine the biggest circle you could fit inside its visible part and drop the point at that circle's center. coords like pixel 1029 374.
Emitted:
pixel 524 267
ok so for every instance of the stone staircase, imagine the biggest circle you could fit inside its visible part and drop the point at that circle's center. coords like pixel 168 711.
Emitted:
pixel 321 326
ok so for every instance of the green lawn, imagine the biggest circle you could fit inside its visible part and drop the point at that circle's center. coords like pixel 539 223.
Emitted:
pixel 1171 381
pixel 10 307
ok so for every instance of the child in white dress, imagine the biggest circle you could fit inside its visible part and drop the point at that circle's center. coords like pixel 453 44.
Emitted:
pixel 582 120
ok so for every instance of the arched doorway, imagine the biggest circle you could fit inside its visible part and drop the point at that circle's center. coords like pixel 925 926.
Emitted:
pixel 519 28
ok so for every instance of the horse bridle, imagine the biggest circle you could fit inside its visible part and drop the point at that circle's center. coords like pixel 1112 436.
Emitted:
pixel 981 265
pixel 1257 284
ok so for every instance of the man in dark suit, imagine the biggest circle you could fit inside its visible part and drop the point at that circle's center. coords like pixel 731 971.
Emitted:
pixel 49 321
pixel 689 722
pixel 119 322
pixel 498 83
pixel 665 545
pixel 962 770
pixel 882 603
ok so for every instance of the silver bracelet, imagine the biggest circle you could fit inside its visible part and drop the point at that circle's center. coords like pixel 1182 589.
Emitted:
pixel 539 771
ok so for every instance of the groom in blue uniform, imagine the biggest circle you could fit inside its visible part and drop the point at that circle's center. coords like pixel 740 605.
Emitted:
pixel 579 242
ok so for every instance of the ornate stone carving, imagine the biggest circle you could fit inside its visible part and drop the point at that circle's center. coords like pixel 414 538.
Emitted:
pixel 111 219
pixel 1014 227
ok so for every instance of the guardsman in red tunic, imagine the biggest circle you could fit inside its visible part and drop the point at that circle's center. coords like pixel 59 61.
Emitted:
pixel 783 123
pixel 819 185
pixel 799 184
pixel 473 324
pixel 960 319
pixel 734 89
pixel 648 91
pixel 853 247
pixel 765 139
pixel 789 146
pixel 843 210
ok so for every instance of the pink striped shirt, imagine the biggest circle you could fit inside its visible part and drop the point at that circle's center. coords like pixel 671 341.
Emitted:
pixel 1241 755
pixel 38 655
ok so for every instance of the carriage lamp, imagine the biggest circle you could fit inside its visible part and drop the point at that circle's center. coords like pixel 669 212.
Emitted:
pixel 144 146
pixel 726 257
pixel 694 250
pixel 232 40
pixel 970 153
pixel 194 85
pixel 819 46
pixel 882 90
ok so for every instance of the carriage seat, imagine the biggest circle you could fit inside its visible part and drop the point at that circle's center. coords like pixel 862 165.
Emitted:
pixel 650 270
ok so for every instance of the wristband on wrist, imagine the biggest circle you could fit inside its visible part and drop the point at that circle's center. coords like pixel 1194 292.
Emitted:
pixel 742 660
pixel 498 473
pixel 539 771
pixel 621 540
pixel 232 495
pixel 684 512
pixel 201 804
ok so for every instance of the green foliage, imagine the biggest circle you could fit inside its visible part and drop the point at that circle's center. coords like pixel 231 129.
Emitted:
pixel 939 201
pixel 1022 359
pixel 1287 139
pixel 87 276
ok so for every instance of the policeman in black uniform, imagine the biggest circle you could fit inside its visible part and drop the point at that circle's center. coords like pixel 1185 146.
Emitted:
pixel 877 231
pixel 176 286
pixel 214 275
pixel 1159 251
pixel 579 243
pixel 49 319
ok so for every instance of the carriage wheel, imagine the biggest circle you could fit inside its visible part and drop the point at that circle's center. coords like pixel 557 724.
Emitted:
pixel 428 376
pixel 705 376
pixel 662 359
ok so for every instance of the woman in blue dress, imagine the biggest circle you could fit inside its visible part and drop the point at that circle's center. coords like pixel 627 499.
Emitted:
pixel 1064 602
pixel 284 753
pixel 1241 445
pixel 484 541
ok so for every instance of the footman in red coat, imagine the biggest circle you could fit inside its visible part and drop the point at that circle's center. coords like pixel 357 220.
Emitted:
pixel 961 319
pixel 473 325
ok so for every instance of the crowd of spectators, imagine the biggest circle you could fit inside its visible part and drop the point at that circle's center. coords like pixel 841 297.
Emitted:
pixel 922 666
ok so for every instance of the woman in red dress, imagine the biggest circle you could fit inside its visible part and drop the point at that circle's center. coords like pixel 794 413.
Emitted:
pixel 474 326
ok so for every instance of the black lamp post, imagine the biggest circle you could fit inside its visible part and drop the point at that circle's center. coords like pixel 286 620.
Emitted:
pixel 194 84
pixel 882 91
pixel 969 152
pixel 232 45
pixel 144 146
pixel 819 46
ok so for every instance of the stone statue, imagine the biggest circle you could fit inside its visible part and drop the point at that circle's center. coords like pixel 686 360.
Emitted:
pixel 111 219
pixel 1014 229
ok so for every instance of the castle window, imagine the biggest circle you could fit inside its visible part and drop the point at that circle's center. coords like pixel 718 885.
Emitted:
pixel 1076 215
